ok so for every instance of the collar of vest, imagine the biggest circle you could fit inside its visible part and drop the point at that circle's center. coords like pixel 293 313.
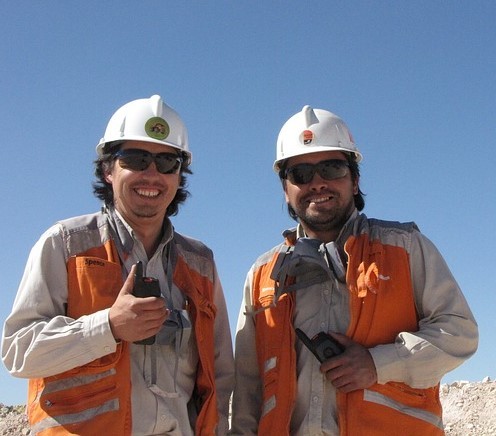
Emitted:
pixel 300 266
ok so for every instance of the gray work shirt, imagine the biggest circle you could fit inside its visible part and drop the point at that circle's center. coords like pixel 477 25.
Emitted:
pixel 447 336
pixel 162 379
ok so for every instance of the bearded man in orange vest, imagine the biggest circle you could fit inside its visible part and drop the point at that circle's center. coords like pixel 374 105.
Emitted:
pixel 120 322
pixel 348 326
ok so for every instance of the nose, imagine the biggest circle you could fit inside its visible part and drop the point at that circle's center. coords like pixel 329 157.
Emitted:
pixel 151 169
pixel 317 182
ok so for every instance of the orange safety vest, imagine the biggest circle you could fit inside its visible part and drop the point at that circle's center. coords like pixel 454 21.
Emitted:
pixel 96 398
pixel 381 306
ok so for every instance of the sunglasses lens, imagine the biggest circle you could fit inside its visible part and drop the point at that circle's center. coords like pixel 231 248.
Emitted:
pixel 135 162
pixel 140 160
pixel 167 163
pixel 333 169
pixel 302 174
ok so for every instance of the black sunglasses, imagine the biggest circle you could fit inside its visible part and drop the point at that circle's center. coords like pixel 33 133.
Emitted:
pixel 135 159
pixel 302 174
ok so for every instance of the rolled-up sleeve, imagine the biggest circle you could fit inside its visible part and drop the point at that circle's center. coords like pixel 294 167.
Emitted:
pixel 447 334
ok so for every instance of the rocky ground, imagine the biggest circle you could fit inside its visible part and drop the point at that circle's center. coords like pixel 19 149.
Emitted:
pixel 13 421
pixel 469 409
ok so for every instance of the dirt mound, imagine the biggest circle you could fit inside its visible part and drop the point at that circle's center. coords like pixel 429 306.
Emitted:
pixel 469 409
pixel 13 421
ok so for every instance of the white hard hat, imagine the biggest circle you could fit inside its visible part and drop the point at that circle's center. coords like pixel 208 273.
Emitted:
pixel 313 130
pixel 149 120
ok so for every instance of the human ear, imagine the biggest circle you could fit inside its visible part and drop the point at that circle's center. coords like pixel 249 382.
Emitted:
pixel 108 175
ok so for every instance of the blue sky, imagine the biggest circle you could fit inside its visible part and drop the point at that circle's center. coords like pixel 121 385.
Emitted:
pixel 413 80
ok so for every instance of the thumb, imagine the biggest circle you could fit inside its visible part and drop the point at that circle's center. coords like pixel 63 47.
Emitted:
pixel 127 288
pixel 342 339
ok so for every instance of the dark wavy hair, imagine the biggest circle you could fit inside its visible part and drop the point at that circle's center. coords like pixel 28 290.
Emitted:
pixel 103 190
pixel 355 175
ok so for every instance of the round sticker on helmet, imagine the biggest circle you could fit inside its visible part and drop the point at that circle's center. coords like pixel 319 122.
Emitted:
pixel 307 136
pixel 157 128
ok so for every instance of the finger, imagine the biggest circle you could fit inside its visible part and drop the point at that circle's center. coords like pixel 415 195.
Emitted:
pixel 342 339
pixel 127 288
pixel 333 370
pixel 344 387
pixel 160 314
pixel 330 365
pixel 151 304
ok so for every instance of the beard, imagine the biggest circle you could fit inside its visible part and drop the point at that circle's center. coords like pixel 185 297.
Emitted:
pixel 327 220
pixel 145 212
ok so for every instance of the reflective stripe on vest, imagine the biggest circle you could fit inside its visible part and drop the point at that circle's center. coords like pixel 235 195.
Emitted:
pixel 85 415
pixel 376 397
pixel 68 383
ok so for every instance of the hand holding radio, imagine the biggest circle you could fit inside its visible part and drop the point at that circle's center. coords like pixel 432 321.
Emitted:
pixel 322 345
pixel 145 287
pixel 133 317
pixel 353 369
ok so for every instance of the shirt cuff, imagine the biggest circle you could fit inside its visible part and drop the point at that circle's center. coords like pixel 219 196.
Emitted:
pixel 99 334
pixel 389 366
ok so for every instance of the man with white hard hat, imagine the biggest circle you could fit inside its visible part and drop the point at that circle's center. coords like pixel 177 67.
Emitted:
pixel 348 326
pixel 120 322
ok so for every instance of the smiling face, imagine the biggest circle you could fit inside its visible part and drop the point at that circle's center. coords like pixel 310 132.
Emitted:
pixel 142 197
pixel 322 206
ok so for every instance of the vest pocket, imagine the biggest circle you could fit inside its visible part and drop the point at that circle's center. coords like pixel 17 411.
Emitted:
pixel 75 400
pixel 417 403
pixel 93 283
pixel 81 391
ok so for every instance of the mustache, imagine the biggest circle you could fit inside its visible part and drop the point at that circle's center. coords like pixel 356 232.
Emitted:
pixel 325 193
pixel 143 182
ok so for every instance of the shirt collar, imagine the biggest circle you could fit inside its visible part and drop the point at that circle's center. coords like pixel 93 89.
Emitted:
pixel 125 233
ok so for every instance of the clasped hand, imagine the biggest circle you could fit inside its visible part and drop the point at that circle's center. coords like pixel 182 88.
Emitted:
pixel 351 370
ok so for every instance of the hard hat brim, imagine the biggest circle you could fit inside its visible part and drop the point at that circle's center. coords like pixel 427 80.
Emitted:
pixel 277 163
pixel 101 145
